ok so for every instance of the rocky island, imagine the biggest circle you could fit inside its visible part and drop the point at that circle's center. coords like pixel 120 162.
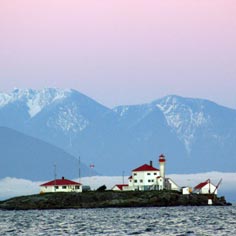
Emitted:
pixel 105 199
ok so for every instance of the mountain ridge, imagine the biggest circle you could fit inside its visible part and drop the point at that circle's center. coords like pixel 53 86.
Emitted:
pixel 23 156
pixel 195 134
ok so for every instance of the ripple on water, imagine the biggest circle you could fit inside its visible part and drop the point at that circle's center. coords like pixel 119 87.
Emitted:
pixel 181 221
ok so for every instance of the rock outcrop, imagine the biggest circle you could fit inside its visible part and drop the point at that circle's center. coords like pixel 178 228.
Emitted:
pixel 107 199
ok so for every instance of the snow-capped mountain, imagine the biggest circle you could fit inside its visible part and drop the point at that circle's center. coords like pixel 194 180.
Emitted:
pixel 185 117
pixel 56 116
pixel 195 134
pixel 64 110
pixel 196 119
pixel 35 100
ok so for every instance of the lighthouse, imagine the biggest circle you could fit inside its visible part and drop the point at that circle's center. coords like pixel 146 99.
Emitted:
pixel 162 162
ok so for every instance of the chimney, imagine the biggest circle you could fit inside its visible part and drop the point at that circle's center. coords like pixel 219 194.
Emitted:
pixel 62 177
pixel 151 163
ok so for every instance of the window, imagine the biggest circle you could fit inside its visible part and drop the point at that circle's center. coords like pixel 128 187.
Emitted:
pixel 148 173
pixel 56 187
pixel 155 173
pixel 135 181
pixel 141 180
pixel 149 181
pixel 76 187
pixel 135 173
pixel 152 180
pixel 63 187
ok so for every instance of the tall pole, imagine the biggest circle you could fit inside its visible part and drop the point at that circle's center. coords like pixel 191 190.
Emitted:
pixel 123 177
pixel 79 170
pixel 55 171
pixel 55 176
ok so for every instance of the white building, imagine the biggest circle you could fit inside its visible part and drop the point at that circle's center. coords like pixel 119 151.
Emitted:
pixel 171 185
pixel 144 177
pixel 162 179
pixel 186 190
pixel 205 188
pixel 162 163
pixel 147 177
pixel 60 185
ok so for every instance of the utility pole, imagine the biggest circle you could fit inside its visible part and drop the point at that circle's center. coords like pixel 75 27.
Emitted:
pixel 79 170
pixel 123 177
pixel 55 176
pixel 55 171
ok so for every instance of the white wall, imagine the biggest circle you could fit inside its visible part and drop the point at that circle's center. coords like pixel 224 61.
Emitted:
pixel 162 169
pixel 115 188
pixel 67 188
pixel 185 191
pixel 205 189
pixel 144 178
pixel 173 185
pixel 160 182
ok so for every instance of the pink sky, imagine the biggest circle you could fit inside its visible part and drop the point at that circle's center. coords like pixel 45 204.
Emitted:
pixel 121 51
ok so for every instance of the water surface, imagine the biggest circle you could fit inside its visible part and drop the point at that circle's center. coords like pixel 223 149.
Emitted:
pixel 121 221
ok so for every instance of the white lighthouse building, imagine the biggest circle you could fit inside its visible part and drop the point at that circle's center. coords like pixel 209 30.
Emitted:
pixel 162 162
pixel 147 177
pixel 161 179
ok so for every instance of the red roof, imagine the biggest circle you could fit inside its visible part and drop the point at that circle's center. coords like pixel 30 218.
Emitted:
pixel 162 158
pixel 120 186
pixel 61 181
pixel 145 167
pixel 201 185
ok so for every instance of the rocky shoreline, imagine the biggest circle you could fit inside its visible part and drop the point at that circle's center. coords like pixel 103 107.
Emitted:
pixel 93 199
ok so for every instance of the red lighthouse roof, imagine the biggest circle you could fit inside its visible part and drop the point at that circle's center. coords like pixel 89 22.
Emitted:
pixel 59 182
pixel 162 158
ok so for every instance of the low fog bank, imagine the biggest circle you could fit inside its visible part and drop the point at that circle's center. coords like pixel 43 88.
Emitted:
pixel 11 187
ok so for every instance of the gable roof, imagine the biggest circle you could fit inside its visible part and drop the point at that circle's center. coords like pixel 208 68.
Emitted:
pixel 169 180
pixel 145 167
pixel 201 185
pixel 120 186
pixel 61 181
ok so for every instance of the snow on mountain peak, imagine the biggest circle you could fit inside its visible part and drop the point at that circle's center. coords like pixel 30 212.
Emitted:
pixel 44 97
pixel 68 119
pixel 4 99
pixel 35 100
pixel 182 118
pixel 121 110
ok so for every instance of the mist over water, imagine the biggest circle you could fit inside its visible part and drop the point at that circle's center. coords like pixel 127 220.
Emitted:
pixel 121 221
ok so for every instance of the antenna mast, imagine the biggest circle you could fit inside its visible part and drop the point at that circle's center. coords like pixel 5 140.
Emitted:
pixel 55 171
pixel 79 170
pixel 123 177
pixel 55 176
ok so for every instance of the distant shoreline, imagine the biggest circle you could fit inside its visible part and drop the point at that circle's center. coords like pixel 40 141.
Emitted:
pixel 108 199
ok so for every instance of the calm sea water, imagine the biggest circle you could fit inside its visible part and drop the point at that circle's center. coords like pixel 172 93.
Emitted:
pixel 121 221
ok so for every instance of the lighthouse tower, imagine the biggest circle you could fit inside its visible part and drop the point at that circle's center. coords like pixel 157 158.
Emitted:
pixel 162 162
